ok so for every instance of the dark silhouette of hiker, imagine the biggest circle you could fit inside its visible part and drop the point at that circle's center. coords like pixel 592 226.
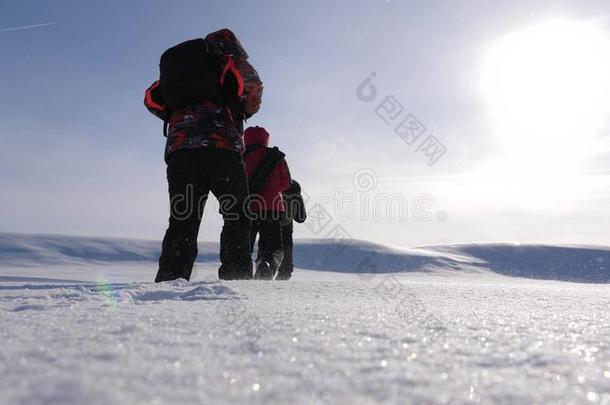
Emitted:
pixel 206 90
pixel 268 177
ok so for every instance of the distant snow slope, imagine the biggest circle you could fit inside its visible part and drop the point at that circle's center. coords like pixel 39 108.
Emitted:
pixel 569 263
pixel 81 323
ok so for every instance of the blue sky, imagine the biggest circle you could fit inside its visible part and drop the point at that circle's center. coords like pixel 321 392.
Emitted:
pixel 81 155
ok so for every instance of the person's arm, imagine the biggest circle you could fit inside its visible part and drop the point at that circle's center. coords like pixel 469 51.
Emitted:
pixel 155 103
pixel 253 87
pixel 247 77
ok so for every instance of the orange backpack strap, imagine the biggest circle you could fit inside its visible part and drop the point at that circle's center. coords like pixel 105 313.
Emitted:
pixel 150 98
pixel 230 66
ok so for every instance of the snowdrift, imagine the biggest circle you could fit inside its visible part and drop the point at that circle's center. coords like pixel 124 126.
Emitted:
pixel 567 263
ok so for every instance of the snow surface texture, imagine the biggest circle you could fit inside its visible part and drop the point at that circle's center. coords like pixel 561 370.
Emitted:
pixel 365 323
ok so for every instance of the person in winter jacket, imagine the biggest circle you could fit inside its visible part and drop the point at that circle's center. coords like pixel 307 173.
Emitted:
pixel 203 153
pixel 294 211
pixel 266 201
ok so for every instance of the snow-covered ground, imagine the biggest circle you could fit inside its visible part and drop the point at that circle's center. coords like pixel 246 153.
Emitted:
pixel 81 323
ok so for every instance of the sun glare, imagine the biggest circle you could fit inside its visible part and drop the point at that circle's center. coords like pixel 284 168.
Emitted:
pixel 548 89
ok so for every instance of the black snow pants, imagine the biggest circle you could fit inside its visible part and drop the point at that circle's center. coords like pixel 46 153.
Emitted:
pixel 287 266
pixel 191 175
pixel 270 247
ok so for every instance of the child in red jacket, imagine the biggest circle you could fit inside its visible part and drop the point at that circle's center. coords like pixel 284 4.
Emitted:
pixel 268 177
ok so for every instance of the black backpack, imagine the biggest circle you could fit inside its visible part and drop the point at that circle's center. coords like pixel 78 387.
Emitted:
pixel 191 72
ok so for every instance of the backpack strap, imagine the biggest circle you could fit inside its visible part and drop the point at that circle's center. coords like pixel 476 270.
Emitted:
pixel 228 73
pixel 230 66
pixel 259 178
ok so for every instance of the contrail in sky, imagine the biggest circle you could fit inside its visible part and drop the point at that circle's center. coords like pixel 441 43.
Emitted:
pixel 26 27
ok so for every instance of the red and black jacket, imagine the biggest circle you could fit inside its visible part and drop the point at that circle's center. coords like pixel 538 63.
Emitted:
pixel 207 124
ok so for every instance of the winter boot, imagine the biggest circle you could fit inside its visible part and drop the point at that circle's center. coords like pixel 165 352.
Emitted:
pixel 264 271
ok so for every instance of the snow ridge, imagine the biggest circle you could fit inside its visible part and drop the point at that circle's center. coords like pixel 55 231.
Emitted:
pixel 568 263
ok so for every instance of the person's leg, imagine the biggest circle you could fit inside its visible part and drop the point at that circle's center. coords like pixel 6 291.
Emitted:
pixel 187 192
pixel 287 266
pixel 270 244
pixel 229 184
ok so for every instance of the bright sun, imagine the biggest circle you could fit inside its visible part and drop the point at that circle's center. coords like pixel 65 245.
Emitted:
pixel 548 89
